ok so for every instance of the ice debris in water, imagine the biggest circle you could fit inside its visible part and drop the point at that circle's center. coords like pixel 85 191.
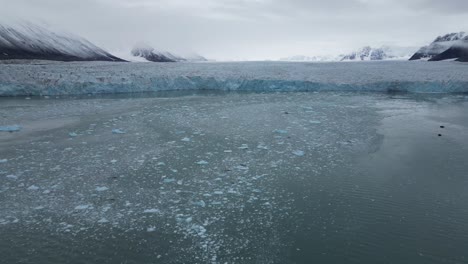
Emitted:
pixel 14 128
pixel 103 221
pixel 200 203
pixel 11 176
pixel 299 153
pixel 83 207
pixel 151 229
pixel 118 131
pixel 280 131
pixel 202 162
pixel 315 122
pixel 186 139
pixel 101 189
pixel 244 146
pixel 169 180
pixel 73 134
pixel 151 211
pixel 3 160
pixel 33 188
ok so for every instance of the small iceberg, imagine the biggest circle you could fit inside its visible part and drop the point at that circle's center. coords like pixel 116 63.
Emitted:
pixel 118 131
pixel 14 128
pixel 299 153
pixel 202 162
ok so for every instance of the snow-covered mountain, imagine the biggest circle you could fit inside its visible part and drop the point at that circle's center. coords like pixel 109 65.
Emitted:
pixel 310 58
pixel 150 54
pixel 28 41
pixel 450 46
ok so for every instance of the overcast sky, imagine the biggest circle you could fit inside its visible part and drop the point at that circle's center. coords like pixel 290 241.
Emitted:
pixel 249 29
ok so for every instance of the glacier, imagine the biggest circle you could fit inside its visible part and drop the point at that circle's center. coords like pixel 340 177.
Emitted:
pixel 75 78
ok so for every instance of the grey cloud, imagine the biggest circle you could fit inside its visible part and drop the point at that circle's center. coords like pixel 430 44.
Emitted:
pixel 249 29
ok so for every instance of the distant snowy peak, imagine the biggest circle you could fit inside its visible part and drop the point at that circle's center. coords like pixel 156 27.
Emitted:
pixel 27 41
pixel 383 53
pixel 366 54
pixel 450 46
pixel 149 53
pixel 310 58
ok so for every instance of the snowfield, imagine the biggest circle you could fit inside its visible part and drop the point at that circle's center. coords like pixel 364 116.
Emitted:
pixel 56 78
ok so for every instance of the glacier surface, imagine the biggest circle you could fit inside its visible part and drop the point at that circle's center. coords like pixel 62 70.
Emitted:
pixel 56 78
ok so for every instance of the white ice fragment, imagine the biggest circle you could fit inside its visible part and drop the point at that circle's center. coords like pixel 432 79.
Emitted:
pixel 33 188
pixel 3 160
pixel 315 122
pixel 13 128
pixel 103 221
pixel 186 139
pixel 280 131
pixel 118 131
pixel 189 219
pixel 101 189
pixel 299 153
pixel 169 180
pixel 11 176
pixel 151 229
pixel 83 207
pixel 244 146
pixel 218 193
pixel 73 134
pixel 200 203
pixel 161 164
pixel 202 162
pixel 113 161
pixel 38 208
pixel 151 211
pixel 261 146
pixel 228 151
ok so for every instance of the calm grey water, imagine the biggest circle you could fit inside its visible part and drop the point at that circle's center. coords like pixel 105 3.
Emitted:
pixel 235 178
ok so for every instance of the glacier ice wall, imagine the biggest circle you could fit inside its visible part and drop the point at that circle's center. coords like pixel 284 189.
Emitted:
pixel 53 78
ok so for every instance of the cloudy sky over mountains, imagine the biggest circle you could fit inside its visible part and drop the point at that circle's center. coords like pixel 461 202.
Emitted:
pixel 249 29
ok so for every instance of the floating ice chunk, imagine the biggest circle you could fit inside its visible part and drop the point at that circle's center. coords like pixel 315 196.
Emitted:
pixel 242 167
pixel 151 229
pixel 186 139
pixel 280 131
pixel 315 122
pixel 101 189
pixel 118 131
pixel 261 146
pixel 244 146
pixel 103 221
pixel 83 207
pixel 189 219
pixel 33 188
pixel 11 176
pixel 161 164
pixel 202 162
pixel 151 211
pixel 38 208
pixel 200 203
pixel 218 192
pixel 113 161
pixel 199 230
pixel 73 134
pixel 14 128
pixel 3 160
pixel 299 153
pixel 169 180
pixel 228 151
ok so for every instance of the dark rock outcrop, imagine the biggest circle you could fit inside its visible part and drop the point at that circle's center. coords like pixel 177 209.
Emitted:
pixel 440 45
